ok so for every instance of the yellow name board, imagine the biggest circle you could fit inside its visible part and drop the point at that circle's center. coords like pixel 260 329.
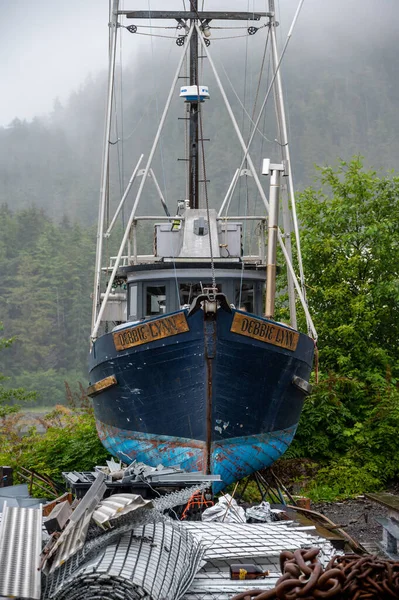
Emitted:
pixel 265 332
pixel 151 331
pixel 101 385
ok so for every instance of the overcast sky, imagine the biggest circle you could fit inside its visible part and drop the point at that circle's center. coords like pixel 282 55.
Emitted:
pixel 49 47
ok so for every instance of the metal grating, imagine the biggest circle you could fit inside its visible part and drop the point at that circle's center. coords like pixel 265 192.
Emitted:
pixel 20 546
pixel 239 543
pixel 229 540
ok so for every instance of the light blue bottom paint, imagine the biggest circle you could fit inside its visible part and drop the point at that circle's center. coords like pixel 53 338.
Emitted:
pixel 232 458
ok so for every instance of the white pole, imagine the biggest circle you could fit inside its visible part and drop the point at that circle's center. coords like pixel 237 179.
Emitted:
pixel 104 172
pixel 160 194
pixel 256 178
pixel 229 191
pixel 125 195
pixel 283 132
pixel 272 241
pixel 140 190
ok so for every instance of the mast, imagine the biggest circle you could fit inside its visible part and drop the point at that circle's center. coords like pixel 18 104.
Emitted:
pixel 193 126
pixel 104 171
pixel 283 141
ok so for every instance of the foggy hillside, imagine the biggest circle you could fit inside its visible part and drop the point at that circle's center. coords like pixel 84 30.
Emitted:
pixel 342 91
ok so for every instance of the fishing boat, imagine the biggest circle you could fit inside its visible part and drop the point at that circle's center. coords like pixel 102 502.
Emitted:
pixel 188 365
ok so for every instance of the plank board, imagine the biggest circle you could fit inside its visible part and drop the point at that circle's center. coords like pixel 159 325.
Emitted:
pixel 265 331
pixel 151 331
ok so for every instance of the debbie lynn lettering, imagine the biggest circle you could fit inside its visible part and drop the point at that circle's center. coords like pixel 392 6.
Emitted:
pixel 270 333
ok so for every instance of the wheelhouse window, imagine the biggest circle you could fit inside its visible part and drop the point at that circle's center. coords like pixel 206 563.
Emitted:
pixel 244 297
pixel 133 301
pixel 155 300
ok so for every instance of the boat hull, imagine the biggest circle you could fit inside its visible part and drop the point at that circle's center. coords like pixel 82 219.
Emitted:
pixel 208 398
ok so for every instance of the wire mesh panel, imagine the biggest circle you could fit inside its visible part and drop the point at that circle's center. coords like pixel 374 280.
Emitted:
pixel 229 540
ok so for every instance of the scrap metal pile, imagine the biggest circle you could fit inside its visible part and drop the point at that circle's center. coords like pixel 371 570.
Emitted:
pixel 347 577
pixel 126 547
pixel 122 547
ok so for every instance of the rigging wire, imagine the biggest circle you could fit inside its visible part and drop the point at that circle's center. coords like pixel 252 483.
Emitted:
pixel 260 75
pixel 170 37
pixel 151 98
pixel 272 82
pixel 299 286
pixel 157 109
pixel 204 172
pixel 107 252
pixel 252 224
pixel 206 197
pixel 186 132
pixel 246 167
pixel 241 103
pixel 262 141
pixel 161 148
pixel 242 116
pixel 122 121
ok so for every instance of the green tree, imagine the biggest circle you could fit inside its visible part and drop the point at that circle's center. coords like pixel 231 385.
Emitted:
pixel 350 248
pixel 351 253
pixel 10 397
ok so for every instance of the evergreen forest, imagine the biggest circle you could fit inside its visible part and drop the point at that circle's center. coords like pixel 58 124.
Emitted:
pixel 342 117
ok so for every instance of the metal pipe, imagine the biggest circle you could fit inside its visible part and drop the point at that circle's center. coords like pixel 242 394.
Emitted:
pixel 262 240
pixel 157 218
pixel 272 241
pixel 134 233
pixel 129 249
pixel 162 199
pixel 246 218
pixel 125 195
pixel 309 320
pixel 104 172
pixel 229 191
pixel 282 127
pixel 140 190
pixel 194 112
pixel 261 192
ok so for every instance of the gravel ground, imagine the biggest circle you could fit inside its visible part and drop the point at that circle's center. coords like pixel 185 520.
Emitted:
pixel 356 517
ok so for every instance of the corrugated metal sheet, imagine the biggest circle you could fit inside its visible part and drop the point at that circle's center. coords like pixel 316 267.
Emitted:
pixel 118 505
pixel 20 547
pixel 74 535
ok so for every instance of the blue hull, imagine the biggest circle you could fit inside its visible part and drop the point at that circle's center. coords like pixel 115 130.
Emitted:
pixel 208 399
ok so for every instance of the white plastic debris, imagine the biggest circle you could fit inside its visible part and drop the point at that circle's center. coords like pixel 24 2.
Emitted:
pixel 225 511
pixel 261 513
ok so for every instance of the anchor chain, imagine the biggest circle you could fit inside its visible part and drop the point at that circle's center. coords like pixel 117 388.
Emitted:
pixel 346 577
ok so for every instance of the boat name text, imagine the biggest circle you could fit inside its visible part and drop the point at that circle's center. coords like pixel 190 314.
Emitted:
pixel 265 332
pixel 151 331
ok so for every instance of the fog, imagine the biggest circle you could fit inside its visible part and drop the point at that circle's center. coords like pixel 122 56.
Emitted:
pixel 49 48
